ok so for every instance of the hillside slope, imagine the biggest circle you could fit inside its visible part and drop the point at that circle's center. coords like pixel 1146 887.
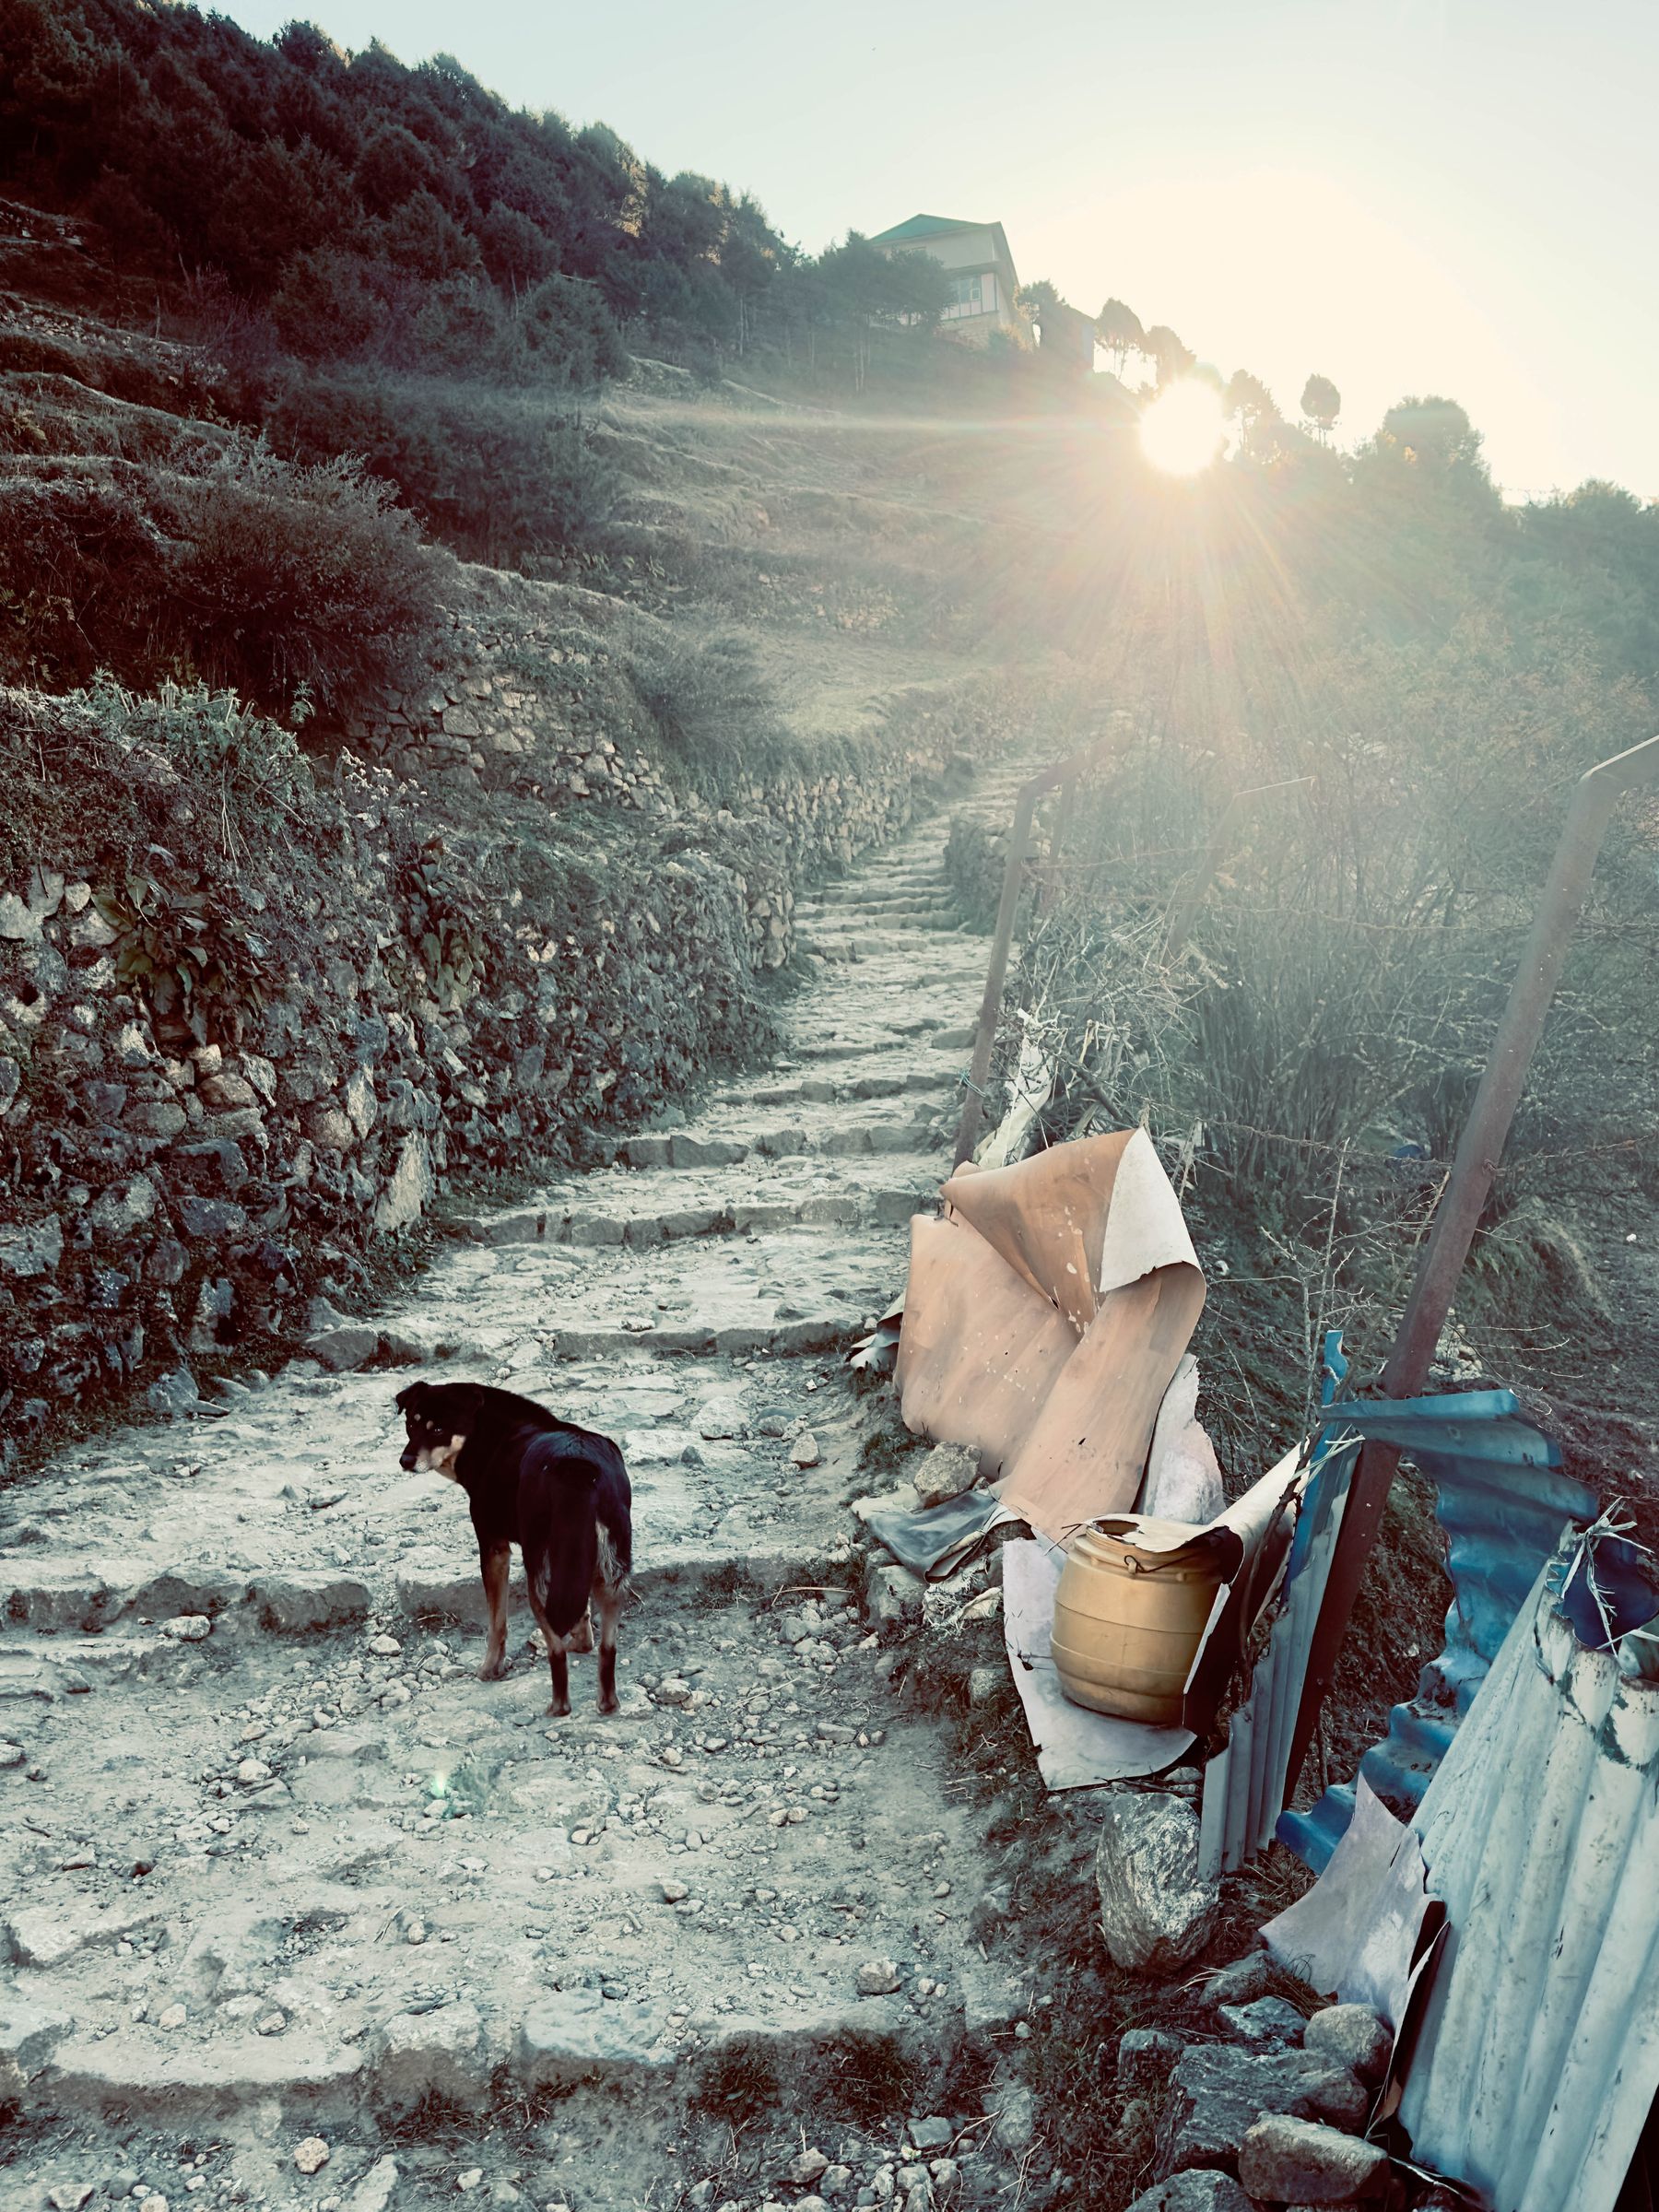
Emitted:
pixel 523 874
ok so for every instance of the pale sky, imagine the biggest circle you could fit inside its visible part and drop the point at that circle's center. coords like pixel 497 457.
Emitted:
pixel 1407 195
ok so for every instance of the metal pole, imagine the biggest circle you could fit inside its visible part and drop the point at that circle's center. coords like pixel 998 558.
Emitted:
pixel 1020 837
pixel 1467 1187
pixel 995 973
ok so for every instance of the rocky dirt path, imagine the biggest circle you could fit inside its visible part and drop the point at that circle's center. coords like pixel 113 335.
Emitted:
pixel 275 1867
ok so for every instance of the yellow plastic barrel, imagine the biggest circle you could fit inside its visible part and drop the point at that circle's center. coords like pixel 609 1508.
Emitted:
pixel 1127 1626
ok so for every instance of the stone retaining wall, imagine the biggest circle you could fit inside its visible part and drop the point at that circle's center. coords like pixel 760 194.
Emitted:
pixel 530 693
pixel 166 1202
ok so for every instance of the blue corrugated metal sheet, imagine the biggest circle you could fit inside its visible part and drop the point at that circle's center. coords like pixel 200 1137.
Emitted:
pixel 1503 1501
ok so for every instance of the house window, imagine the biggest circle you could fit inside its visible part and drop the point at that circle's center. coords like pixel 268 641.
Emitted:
pixel 969 296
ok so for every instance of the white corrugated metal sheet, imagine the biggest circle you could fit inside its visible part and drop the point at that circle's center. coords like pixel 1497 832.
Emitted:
pixel 1244 1784
pixel 1539 2054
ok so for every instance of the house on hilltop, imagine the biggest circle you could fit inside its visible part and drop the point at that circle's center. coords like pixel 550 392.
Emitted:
pixel 982 279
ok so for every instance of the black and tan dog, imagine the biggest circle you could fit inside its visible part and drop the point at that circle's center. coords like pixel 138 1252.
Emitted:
pixel 558 1492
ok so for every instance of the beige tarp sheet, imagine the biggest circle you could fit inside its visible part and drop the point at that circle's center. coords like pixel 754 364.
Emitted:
pixel 1045 1316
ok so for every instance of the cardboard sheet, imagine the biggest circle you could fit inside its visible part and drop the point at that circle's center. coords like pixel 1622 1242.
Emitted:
pixel 937 1540
pixel 1087 1449
pixel 979 1351
pixel 1044 1318
pixel 1076 1749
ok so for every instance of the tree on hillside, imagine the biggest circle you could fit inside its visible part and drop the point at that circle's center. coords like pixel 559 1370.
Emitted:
pixel 1167 353
pixel 1249 402
pixel 293 175
pixel 751 256
pixel 1119 329
pixel 861 286
pixel 1432 433
pixel 1033 299
pixel 1595 554
pixel 1321 403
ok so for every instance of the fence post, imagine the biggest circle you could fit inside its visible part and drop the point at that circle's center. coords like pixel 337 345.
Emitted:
pixel 1467 1187
pixel 1068 771
pixel 1020 837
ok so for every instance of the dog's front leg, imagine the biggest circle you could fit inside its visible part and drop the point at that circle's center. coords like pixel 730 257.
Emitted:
pixel 495 1560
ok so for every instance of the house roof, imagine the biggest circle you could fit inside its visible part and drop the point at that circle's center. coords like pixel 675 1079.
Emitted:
pixel 920 227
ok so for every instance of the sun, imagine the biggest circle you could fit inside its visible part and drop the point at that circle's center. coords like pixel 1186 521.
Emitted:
pixel 1185 428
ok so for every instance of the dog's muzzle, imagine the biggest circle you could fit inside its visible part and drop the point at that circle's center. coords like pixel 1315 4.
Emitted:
pixel 411 1452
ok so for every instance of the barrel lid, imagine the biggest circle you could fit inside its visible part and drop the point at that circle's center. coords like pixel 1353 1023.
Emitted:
pixel 1175 1547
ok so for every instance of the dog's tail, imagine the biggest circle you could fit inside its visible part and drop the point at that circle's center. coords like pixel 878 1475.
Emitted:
pixel 541 1581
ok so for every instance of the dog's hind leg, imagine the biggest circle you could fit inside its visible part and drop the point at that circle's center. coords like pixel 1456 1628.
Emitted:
pixel 607 1604
pixel 581 1635
pixel 558 1704
pixel 557 1646
pixel 495 1560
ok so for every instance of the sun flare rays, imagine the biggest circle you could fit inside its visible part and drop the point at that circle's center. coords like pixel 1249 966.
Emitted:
pixel 1184 428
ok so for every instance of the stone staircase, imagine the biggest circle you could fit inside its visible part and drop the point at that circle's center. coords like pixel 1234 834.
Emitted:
pixel 274 1866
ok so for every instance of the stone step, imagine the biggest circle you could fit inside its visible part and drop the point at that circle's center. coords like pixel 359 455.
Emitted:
pixel 784 1289
pixel 873 1083
pixel 928 976
pixel 423 1896
pixel 876 946
pixel 835 1131
pixel 940 1039
pixel 644 1224
pixel 855 941
pixel 860 946
pixel 80 1627
pixel 636 1206
pixel 926 882
pixel 373 1882
pixel 300 1482
pixel 934 914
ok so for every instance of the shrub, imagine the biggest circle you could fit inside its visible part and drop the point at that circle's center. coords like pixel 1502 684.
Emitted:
pixel 217 561
pixel 176 786
pixel 251 763
pixel 516 251
pixel 717 715
pixel 85 572
pixel 298 577
pixel 455 326
pixel 565 335
pixel 325 305
pixel 497 476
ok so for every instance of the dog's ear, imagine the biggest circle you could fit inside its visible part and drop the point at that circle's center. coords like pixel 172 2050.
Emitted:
pixel 409 1400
